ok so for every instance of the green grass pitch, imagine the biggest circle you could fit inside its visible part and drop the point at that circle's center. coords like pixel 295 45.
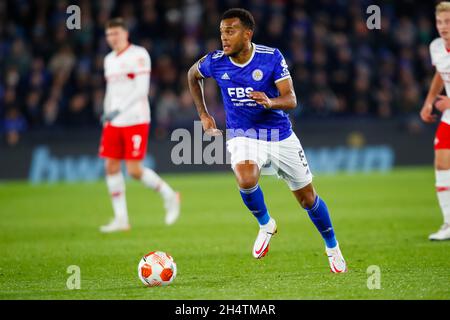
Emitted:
pixel 380 219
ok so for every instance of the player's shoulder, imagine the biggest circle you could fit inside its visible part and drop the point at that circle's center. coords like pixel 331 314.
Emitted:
pixel 261 49
pixel 437 44
pixel 108 58
pixel 216 55
pixel 109 55
pixel 213 57
pixel 268 54
pixel 135 49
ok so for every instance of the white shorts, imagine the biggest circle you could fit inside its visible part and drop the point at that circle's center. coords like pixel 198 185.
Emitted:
pixel 285 158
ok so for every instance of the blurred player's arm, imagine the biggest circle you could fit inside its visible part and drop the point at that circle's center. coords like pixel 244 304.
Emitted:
pixel 107 100
pixel 437 84
pixel 195 81
pixel 108 114
pixel 285 101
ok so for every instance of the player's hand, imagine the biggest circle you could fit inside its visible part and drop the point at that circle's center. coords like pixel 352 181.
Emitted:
pixel 109 116
pixel 426 113
pixel 209 125
pixel 261 98
pixel 442 103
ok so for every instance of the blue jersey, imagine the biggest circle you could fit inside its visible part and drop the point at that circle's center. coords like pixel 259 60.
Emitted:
pixel 244 117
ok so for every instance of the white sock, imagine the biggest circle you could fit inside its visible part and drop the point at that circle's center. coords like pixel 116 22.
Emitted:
pixel 153 181
pixel 116 187
pixel 443 192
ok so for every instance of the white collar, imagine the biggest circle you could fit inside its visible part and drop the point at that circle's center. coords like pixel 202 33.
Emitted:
pixel 241 65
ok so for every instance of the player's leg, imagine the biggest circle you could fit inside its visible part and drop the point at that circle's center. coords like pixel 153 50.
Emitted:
pixel 136 140
pixel 247 176
pixel 317 212
pixel 293 167
pixel 111 148
pixel 442 171
pixel 116 187
pixel 246 160
pixel 320 216
pixel 153 181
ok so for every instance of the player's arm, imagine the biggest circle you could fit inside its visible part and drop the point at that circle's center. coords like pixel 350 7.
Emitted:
pixel 195 81
pixel 108 114
pixel 437 84
pixel 107 100
pixel 285 101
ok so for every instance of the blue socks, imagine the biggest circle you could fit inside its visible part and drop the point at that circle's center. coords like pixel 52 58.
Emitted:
pixel 318 213
pixel 254 200
pixel 321 218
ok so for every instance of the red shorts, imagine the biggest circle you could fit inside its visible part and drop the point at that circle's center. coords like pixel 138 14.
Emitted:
pixel 442 139
pixel 125 143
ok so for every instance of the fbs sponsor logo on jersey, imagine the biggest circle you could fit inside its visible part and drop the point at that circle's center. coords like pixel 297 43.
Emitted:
pixel 239 92
pixel 239 96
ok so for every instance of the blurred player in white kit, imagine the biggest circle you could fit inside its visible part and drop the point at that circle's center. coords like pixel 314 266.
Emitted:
pixel 440 56
pixel 126 123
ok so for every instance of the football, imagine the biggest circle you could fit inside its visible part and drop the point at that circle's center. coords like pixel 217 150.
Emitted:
pixel 157 268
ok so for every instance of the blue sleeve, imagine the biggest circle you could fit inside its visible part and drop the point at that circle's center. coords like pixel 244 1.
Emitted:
pixel 281 71
pixel 204 66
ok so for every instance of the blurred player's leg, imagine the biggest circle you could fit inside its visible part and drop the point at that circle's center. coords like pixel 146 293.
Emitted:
pixel 136 141
pixel 442 164
pixel 171 198
pixel 116 187
pixel 153 181
pixel 247 175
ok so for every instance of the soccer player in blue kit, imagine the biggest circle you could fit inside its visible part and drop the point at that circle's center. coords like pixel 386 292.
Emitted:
pixel 256 88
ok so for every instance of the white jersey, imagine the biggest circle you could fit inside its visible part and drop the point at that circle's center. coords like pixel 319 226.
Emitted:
pixel 440 58
pixel 127 75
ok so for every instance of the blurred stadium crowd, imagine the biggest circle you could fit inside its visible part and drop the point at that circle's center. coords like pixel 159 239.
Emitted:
pixel 51 78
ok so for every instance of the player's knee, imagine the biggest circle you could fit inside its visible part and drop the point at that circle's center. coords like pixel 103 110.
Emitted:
pixel 246 175
pixel 442 159
pixel 112 167
pixel 307 200
pixel 306 197
pixel 135 173
pixel 247 182
pixel 442 164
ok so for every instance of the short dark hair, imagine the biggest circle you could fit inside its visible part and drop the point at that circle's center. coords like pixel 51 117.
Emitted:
pixel 245 16
pixel 116 22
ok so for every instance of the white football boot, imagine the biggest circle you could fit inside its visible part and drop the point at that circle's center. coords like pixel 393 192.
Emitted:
pixel 442 234
pixel 115 225
pixel 172 206
pixel 261 246
pixel 336 260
